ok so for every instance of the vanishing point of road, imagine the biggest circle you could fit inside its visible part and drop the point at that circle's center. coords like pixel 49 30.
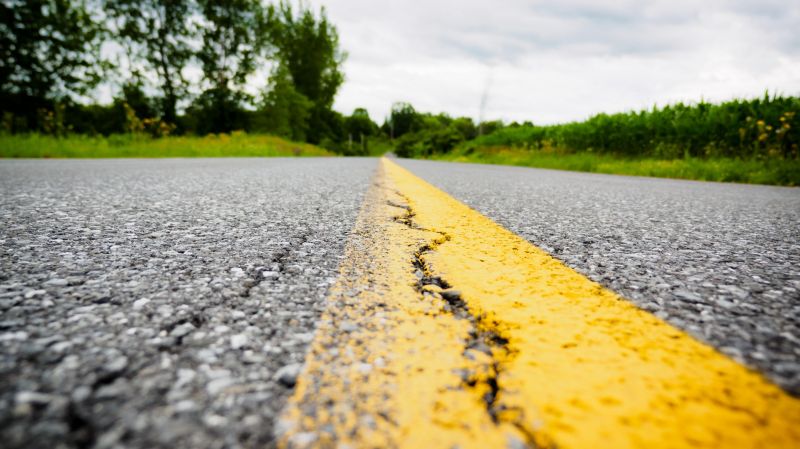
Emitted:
pixel 225 303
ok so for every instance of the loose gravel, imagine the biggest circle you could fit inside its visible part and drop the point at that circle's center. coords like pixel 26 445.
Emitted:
pixel 163 303
pixel 721 261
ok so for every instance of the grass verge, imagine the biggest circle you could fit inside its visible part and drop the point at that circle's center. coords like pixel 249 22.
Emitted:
pixel 236 144
pixel 752 171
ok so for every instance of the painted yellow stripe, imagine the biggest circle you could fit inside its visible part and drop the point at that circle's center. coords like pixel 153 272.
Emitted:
pixel 526 353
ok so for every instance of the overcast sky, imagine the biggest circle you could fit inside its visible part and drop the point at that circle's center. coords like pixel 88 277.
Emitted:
pixel 556 61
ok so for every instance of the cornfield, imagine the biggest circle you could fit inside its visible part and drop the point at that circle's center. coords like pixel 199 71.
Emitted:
pixel 767 127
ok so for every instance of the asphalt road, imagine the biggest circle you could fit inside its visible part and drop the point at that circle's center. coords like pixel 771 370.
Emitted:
pixel 721 261
pixel 168 303
pixel 163 303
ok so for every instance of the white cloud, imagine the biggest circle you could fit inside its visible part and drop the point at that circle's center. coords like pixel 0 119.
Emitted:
pixel 560 61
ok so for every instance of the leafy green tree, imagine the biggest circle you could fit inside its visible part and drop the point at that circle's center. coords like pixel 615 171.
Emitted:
pixel 234 36
pixel 334 131
pixel 49 53
pixel 359 123
pixel 466 127
pixel 160 33
pixel 285 111
pixel 359 128
pixel 216 110
pixel 133 95
pixel 485 128
pixel 114 118
pixel 308 46
pixel 403 119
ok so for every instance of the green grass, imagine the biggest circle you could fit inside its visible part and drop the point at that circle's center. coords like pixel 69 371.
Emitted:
pixel 237 144
pixel 753 171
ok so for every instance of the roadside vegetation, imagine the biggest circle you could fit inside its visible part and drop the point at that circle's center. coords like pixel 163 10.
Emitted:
pixel 751 141
pixel 236 144
pixel 751 171
pixel 51 64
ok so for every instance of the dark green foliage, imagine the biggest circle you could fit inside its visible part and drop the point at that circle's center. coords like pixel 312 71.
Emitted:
pixel 332 127
pixel 49 54
pixel 767 127
pixel 423 134
pixel 308 47
pixel 428 142
pixel 465 127
pixel 158 33
pixel 359 123
pixel 359 128
pixel 133 95
pixel 217 110
pixel 111 119
pixel 233 38
pixel 403 119
pixel 489 127
pixel 285 111
pixel 762 127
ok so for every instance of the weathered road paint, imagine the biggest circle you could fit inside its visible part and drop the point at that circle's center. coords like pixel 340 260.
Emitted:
pixel 446 330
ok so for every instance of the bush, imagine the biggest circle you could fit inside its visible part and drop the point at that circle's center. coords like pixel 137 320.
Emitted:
pixel 766 127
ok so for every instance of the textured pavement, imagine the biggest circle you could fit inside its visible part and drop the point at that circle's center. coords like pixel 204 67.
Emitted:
pixel 163 303
pixel 169 303
pixel 721 261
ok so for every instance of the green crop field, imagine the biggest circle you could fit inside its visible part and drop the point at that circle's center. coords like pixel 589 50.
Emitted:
pixel 749 141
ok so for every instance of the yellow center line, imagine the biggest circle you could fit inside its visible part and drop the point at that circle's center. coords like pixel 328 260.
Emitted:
pixel 446 330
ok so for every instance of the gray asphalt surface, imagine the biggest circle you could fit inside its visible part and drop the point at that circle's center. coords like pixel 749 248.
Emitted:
pixel 163 303
pixel 169 303
pixel 721 261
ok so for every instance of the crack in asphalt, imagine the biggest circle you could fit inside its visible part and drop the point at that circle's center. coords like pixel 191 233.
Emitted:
pixel 82 432
pixel 131 307
pixel 481 338
pixel 278 261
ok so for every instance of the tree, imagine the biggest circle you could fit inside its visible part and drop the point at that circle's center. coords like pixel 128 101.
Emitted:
pixel 285 111
pixel 403 119
pixel 216 110
pixel 133 95
pixel 466 127
pixel 359 128
pixel 160 34
pixel 234 36
pixel 49 53
pixel 308 46
pixel 485 128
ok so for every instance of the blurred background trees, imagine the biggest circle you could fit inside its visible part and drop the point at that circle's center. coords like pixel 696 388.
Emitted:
pixel 178 66
pixel 307 49
pixel 157 35
pixel 49 55
pixel 284 111
pixel 234 37
pixel 189 67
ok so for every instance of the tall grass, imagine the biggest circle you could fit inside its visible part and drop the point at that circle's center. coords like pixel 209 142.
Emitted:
pixel 767 127
pixel 237 144
pixel 750 141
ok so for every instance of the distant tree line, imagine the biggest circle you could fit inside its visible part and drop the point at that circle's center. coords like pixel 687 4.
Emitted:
pixel 418 134
pixel 767 127
pixel 53 53
pixel 184 67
